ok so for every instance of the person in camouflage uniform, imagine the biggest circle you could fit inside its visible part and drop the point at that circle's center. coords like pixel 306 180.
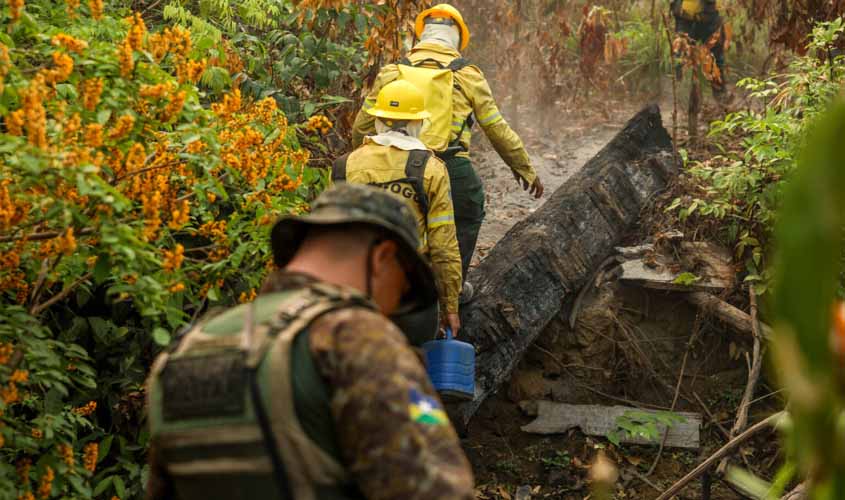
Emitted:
pixel 344 406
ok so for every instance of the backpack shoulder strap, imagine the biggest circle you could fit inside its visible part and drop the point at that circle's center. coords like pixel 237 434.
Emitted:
pixel 339 168
pixel 407 62
pixel 415 172
pixel 458 64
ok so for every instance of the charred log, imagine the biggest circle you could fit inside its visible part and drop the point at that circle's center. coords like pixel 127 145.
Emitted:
pixel 537 268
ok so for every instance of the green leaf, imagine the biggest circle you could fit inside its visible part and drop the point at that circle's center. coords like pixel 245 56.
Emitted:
pixel 119 487
pixel 748 482
pixel 78 485
pixel 105 446
pixel 161 336
pixel 102 269
pixel 66 91
pixel 686 279
pixel 103 485
pixel 53 401
pixel 101 329
pixel 614 437
pixel 103 116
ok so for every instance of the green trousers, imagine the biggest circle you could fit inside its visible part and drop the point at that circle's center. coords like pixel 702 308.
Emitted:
pixel 419 327
pixel 468 201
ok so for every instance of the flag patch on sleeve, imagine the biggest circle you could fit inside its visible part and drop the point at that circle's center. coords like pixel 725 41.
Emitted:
pixel 426 410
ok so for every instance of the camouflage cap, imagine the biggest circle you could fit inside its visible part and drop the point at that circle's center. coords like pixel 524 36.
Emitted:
pixel 355 203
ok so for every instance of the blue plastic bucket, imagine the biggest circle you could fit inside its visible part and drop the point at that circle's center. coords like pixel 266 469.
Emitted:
pixel 451 367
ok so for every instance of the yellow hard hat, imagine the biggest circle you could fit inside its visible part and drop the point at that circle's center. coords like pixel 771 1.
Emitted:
pixel 400 100
pixel 444 10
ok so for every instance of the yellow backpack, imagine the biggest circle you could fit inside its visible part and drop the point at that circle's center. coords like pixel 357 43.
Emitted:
pixel 692 9
pixel 436 84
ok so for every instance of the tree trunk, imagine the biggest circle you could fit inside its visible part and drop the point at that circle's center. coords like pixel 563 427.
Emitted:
pixel 538 267
pixel 694 108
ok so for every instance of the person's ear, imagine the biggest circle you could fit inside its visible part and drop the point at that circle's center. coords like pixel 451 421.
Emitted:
pixel 383 256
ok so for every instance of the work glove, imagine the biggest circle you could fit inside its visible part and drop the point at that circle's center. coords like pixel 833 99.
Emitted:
pixel 535 188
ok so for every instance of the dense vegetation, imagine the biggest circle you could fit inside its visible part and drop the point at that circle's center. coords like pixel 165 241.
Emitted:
pixel 147 146
pixel 140 169
pixel 736 190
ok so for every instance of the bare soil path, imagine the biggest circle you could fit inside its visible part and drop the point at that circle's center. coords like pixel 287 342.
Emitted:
pixel 556 154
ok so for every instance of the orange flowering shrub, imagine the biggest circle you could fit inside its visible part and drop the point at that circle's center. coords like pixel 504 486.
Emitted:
pixel 129 203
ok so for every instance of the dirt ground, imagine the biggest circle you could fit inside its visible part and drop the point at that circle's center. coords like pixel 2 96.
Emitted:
pixel 627 348
pixel 556 154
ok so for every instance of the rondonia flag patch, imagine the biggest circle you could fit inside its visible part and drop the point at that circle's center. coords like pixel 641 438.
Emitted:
pixel 426 410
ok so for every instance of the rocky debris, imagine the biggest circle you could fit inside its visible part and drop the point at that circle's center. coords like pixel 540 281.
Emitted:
pixel 599 420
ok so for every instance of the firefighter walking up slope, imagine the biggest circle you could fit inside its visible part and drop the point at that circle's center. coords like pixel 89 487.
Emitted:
pixel 397 161
pixel 457 96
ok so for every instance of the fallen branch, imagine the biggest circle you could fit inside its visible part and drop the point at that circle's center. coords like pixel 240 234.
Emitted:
pixel 753 377
pixel 721 452
pixel 644 479
pixel 38 308
pixel 799 493
pixel 712 417
pixel 48 235
pixel 591 283
pixel 728 314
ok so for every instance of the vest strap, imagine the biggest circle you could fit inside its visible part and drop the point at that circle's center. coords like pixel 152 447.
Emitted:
pixel 307 464
pixel 339 168
pixel 280 475
pixel 415 172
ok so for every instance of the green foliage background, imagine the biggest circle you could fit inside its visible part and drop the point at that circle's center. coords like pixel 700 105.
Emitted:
pixel 81 317
pixel 739 192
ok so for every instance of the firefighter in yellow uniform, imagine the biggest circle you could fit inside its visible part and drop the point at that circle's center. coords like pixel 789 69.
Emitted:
pixel 701 21
pixel 442 33
pixel 396 160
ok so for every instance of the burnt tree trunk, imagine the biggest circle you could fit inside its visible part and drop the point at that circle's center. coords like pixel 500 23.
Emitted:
pixel 537 268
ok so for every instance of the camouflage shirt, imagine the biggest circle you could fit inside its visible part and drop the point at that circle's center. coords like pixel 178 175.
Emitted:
pixel 396 440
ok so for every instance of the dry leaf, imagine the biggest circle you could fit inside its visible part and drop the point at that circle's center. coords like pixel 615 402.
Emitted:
pixel 503 493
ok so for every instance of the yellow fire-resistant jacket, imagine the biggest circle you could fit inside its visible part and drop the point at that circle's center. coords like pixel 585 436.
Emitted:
pixel 474 96
pixel 381 165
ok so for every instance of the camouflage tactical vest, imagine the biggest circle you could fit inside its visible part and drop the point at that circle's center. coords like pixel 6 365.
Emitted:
pixel 202 392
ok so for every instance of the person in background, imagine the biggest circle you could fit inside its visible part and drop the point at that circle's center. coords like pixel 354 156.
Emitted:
pixel 397 161
pixel 701 21
pixel 458 96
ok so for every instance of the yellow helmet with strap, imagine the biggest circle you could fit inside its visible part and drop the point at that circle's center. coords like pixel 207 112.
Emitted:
pixel 400 100
pixel 444 11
